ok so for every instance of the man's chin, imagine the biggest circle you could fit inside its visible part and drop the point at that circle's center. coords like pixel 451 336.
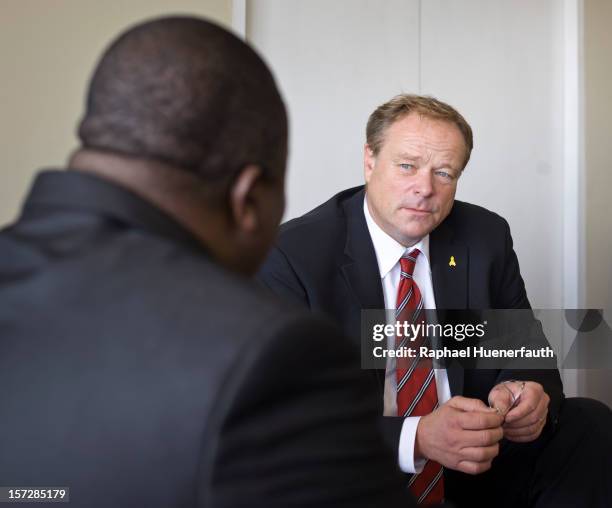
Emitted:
pixel 419 228
pixel 412 236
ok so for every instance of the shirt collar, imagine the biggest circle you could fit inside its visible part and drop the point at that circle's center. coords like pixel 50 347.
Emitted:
pixel 84 191
pixel 388 250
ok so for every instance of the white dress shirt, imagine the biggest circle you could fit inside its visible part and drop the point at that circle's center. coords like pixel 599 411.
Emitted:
pixel 388 253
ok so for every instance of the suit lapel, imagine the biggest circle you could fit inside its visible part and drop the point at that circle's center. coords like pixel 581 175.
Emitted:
pixel 449 268
pixel 449 271
pixel 360 267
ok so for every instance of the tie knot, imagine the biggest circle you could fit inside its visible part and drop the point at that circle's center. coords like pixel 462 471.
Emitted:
pixel 408 262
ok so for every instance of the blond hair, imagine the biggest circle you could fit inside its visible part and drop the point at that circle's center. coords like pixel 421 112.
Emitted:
pixel 404 104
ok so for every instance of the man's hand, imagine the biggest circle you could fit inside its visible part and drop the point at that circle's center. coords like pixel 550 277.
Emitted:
pixel 524 406
pixel 462 434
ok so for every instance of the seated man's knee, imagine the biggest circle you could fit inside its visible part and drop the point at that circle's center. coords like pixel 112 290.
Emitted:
pixel 589 407
pixel 591 413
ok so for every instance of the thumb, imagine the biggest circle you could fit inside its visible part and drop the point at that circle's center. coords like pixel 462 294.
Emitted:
pixel 500 399
pixel 467 404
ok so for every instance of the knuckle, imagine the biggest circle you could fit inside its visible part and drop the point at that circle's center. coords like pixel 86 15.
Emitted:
pixel 495 435
pixel 495 451
pixel 480 455
pixel 485 437
pixel 530 423
pixel 469 468
pixel 474 469
pixel 534 385
pixel 481 467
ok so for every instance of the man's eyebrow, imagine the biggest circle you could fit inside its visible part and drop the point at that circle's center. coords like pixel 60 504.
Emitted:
pixel 447 164
pixel 406 155
pixel 417 158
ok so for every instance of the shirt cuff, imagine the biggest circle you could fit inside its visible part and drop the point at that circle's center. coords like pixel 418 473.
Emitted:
pixel 407 463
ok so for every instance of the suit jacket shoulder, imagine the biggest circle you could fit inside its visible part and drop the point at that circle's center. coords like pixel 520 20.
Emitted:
pixel 310 251
pixel 321 229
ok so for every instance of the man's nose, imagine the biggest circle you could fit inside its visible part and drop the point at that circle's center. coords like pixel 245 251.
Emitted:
pixel 423 184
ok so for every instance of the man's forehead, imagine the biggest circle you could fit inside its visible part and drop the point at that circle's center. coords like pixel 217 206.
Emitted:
pixel 418 124
pixel 413 133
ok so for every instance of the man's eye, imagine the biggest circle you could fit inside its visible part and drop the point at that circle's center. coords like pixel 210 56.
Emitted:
pixel 445 175
pixel 407 167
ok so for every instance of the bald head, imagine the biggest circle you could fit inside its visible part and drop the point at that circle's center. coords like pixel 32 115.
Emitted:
pixel 187 116
pixel 185 92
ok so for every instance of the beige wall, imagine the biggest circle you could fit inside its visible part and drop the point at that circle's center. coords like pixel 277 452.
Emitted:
pixel 598 138
pixel 598 156
pixel 47 51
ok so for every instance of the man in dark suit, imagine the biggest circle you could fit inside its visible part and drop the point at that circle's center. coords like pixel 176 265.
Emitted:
pixel 402 243
pixel 138 364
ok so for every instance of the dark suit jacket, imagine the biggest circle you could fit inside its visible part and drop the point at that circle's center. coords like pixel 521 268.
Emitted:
pixel 137 372
pixel 326 260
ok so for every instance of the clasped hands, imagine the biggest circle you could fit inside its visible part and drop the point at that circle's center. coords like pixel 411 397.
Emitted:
pixel 464 434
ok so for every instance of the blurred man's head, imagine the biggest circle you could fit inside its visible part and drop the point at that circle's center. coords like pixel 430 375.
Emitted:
pixel 187 115
pixel 416 148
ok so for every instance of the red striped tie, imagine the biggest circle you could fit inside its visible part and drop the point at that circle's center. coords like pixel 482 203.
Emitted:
pixel 416 384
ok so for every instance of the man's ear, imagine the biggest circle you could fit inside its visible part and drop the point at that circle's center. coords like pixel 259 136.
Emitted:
pixel 369 161
pixel 244 206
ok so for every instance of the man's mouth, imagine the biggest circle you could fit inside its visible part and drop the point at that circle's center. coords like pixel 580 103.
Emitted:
pixel 418 211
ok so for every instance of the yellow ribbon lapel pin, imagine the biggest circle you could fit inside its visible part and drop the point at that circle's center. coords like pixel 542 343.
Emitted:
pixel 452 261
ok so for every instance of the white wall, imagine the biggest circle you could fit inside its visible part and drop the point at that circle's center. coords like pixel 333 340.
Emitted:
pixel 500 63
pixel 47 52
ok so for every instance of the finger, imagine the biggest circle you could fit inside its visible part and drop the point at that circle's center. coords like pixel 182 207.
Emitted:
pixel 480 453
pixel 478 438
pixel 530 418
pixel 467 404
pixel 525 439
pixel 528 439
pixel 479 420
pixel 500 399
pixel 529 401
pixel 528 430
pixel 470 467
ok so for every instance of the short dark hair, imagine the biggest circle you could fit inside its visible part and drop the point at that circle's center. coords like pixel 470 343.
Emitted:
pixel 404 104
pixel 184 91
